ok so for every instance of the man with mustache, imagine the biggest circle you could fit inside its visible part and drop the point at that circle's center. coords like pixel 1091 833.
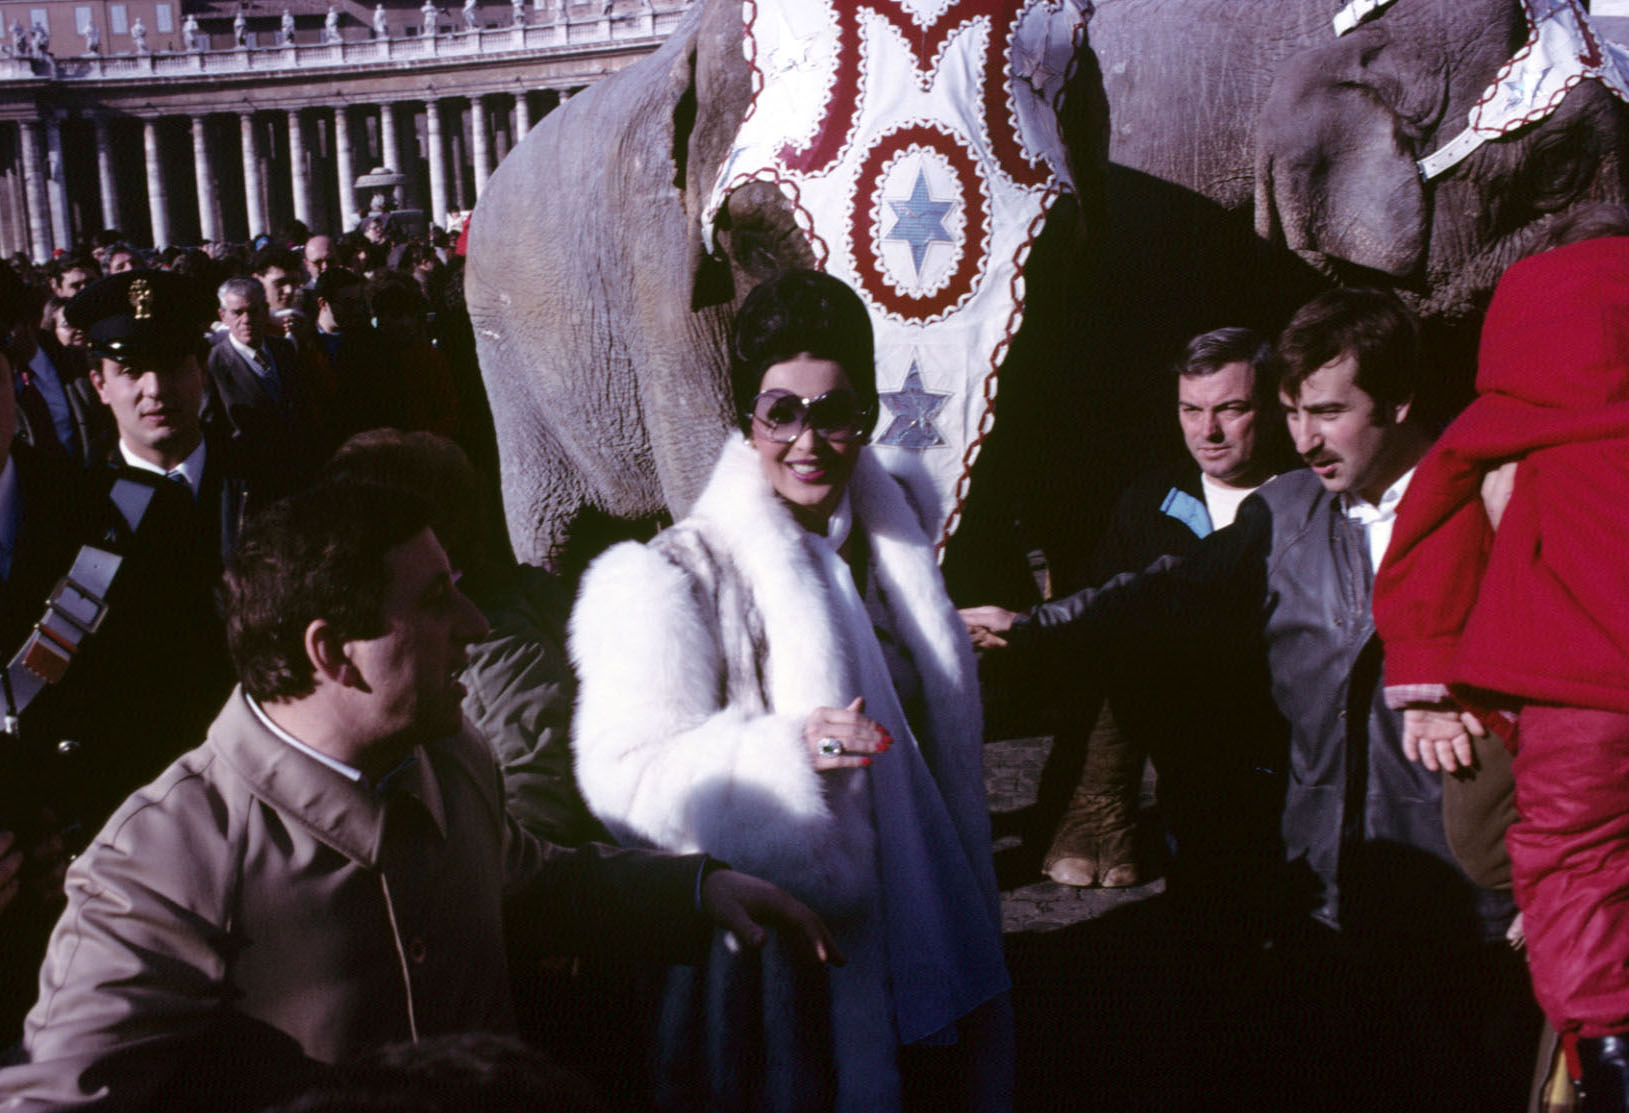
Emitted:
pixel 1394 920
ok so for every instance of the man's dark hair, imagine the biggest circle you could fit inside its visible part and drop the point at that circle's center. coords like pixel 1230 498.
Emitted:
pixel 394 294
pixel 472 1072
pixel 347 250
pixel 294 232
pixel 283 258
pixel 433 467
pixel 51 314
pixel 124 247
pixel 794 313
pixel 476 1071
pixel 17 301
pixel 1209 352
pixel 56 268
pixel 406 256
pixel 318 554
pixel 1373 326
pixel 332 281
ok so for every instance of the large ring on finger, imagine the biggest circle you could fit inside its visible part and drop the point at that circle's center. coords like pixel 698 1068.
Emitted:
pixel 829 746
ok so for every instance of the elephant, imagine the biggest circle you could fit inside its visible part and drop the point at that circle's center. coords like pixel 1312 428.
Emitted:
pixel 601 317
pixel 1247 157
pixel 1257 157
pixel 1313 137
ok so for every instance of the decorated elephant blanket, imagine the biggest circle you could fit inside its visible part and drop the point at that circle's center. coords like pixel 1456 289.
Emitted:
pixel 918 143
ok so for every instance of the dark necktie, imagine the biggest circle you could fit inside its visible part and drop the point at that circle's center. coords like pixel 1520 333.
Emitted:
pixel 268 378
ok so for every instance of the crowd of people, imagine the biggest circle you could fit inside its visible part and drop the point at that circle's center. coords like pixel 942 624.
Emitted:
pixel 307 786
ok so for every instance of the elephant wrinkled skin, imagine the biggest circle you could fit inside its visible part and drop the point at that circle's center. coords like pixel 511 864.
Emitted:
pixel 1252 158
pixel 601 321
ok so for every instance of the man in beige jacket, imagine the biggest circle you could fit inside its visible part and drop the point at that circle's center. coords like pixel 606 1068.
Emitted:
pixel 331 870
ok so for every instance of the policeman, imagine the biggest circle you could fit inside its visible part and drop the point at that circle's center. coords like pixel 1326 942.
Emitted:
pixel 119 662
pixel 168 502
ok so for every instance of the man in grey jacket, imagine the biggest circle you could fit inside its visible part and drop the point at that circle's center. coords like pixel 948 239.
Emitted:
pixel 331 870
pixel 1394 919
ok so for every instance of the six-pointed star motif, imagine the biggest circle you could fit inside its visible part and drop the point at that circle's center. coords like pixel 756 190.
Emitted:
pixel 920 220
pixel 914 409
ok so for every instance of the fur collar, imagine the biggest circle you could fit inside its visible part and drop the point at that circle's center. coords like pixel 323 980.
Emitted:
pixel 740 508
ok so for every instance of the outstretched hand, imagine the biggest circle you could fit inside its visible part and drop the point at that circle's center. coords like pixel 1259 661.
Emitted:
pixel 1440 738
pixel 988 625
pixel 745 905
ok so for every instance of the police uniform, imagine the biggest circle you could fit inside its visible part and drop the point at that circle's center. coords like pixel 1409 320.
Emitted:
pixel 147 683
pixel 143 667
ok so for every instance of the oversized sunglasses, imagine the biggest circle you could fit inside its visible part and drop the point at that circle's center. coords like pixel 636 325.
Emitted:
pixel 837 415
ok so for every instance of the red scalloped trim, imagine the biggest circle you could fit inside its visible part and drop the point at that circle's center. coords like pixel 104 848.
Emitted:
pixel 1591 57
pixel 927 45
pixel 992 381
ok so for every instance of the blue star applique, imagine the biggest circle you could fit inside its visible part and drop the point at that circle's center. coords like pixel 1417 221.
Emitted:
pixel 914 409
pixel 921 220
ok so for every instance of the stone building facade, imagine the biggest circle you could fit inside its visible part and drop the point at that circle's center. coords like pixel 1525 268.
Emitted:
pixel 182 135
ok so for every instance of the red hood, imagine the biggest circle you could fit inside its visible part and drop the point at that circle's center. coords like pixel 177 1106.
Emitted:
pixel 1557 331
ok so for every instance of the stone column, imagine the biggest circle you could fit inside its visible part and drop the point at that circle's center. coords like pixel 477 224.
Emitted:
pixel 523 116
pixel 39 222
pixel 438 161
pixel 56 182
pixel 209 202
pixel 392 150
pixel 13 206
pixel 158 202
pixel 298 168
pixel 345 168
pixel 455 141
pixel 480 148
pixel 105 182
pixel 253 196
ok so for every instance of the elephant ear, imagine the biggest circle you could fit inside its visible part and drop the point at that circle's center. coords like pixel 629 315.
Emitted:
pixel 1336 148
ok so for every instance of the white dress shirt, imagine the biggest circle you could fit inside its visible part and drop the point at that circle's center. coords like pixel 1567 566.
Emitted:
pixel 1221 501
pixel 1377 521
pixel 192 468
pixel 253 355
pixel 346 771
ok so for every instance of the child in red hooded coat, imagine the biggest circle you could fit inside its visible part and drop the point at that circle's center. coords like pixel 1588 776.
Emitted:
pixel 1530 626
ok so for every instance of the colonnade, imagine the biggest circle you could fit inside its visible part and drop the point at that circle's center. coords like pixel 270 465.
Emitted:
pixel 288 163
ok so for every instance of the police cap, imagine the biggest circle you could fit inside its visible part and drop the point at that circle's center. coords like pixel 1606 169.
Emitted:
pixel 141 316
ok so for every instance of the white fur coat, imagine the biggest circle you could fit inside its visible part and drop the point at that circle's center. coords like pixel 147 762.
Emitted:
pixel 700 655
